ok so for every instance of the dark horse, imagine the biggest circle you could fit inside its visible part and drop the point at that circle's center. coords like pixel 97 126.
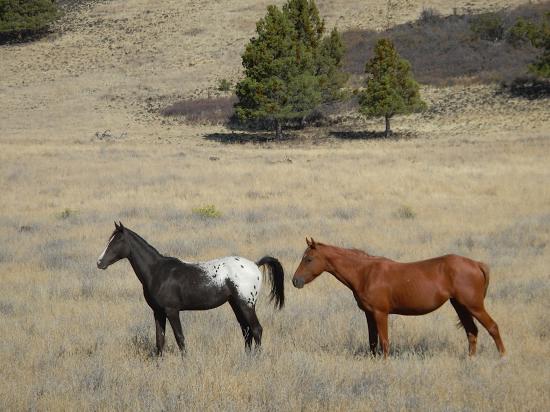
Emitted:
pixel 381 286
pixel 171 285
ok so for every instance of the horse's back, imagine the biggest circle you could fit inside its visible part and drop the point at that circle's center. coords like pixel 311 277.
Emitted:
pixel 414 288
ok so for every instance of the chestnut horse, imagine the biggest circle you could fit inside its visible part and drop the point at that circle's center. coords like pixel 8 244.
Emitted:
pixel 382 286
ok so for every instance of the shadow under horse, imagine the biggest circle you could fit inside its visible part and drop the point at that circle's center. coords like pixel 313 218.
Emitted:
pixel 171 285
pixel 382 286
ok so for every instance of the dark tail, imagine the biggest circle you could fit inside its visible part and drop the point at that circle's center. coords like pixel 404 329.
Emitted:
pixel 485 270
pixel 277 277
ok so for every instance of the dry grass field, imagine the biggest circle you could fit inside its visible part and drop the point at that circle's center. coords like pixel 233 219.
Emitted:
pixel 470 176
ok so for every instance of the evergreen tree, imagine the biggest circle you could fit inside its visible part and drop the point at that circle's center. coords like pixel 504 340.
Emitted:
pixel 329 66
pixel 538 35
pixel 541 40
pixel 308 26
pixel 279 83
pixel 289 67
pixel 390 87
pixel 25 17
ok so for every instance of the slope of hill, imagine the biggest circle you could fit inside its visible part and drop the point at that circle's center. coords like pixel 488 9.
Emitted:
pixel 107 59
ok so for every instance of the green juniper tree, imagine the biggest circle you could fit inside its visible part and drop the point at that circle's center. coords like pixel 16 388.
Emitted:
pixel 538 35
pixel 390 87
pixel 329 66
pixel 19 18
pixel 289 67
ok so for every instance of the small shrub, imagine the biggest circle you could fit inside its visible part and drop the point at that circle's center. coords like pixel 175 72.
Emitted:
pixel 214 111
pixel 429 16
pixel 25 18
pixel 141 342
pixel 207 212
pixel 406 212
pixel 522 32
pixel 224 85
pixel 345 213
pixel 7 309
pixel 66 213
pixel 488 26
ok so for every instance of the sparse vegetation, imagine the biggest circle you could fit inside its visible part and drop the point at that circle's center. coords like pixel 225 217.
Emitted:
pixel 406 212
pixel 207 212
pixel 66 213
pixel 21 19
pixel 429 15
pixel 488 26
pixel 203 111
pixel 443 50
pixel 522 32
pixel 540 38
pixel 224 85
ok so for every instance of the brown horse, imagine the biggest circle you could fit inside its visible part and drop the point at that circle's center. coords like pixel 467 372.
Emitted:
pixel 382 286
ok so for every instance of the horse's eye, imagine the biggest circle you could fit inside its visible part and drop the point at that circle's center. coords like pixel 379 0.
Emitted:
pixel 309 259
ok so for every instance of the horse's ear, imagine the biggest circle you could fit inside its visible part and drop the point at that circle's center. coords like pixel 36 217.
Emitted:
pixel 116 226
pixel 308 242
pixel 313 244
pixel 120 225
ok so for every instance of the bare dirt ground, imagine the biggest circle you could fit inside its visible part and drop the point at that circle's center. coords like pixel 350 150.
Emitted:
pixel 469 176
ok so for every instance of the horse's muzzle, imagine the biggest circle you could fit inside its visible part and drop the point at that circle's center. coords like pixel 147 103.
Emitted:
pixel 101 265
pixel 298 282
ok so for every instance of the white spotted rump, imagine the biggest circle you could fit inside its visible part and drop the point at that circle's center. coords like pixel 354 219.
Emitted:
pixel 244 274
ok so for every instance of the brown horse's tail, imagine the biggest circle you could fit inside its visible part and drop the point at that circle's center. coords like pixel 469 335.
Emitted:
pixel 485 270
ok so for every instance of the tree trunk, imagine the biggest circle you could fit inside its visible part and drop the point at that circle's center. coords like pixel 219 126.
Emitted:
pixel 388 130
pixel 278 130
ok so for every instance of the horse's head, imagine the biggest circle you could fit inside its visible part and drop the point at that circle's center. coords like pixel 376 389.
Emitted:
pixel 117 247
pixel 312 265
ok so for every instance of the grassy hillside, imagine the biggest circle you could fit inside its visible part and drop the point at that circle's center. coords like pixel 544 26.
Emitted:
pixel 82 144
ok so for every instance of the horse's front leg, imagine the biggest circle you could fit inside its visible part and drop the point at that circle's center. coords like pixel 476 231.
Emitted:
pixel 382 326
pixel 373 332
pixel 174 318
pixel 160 324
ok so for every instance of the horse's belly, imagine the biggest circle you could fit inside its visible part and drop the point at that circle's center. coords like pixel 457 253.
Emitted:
pixel 417 303
pixel 413 311
pixel 203 304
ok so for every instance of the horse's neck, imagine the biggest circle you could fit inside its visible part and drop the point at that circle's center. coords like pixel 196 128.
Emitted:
pixel 143 257
pixel 344 265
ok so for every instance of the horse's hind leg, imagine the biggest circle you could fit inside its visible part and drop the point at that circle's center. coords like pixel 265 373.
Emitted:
pixel 488 323
pixel 246 315
pixel 467 322
pixel 245 328
pixel 255 326
pixel 174 318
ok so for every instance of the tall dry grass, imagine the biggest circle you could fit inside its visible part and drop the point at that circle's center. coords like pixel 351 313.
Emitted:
pixel 75 337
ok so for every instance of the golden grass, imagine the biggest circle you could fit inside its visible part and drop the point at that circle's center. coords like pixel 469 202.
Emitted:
pixel 473 180
pixel 78 337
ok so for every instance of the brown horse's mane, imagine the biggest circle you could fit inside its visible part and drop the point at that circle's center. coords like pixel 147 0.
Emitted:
pixel 350 251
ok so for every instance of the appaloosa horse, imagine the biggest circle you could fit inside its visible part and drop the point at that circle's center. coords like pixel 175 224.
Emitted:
pixel 171 285
pixel 382 286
